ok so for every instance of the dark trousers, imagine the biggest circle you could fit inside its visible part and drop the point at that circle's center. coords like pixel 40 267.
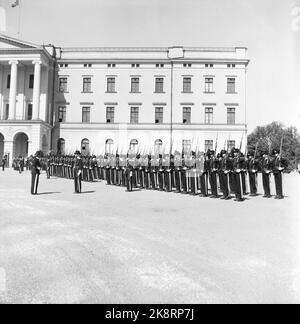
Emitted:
pixel 77 183
pixel 168 181
pixel 161 180
pixel 129 182
pixel 278 184
pixel 153 180
pixel 108 179
pixel 244 183
pixel 252 183
pixel 266 183
pixel 34 183
pixel 204 184
pixel 48 172
pixel 238 186
pixel 232 183
pixel 184 181
pixel 224 179
pixel 178 181
pixel 213 183
pixel 194 183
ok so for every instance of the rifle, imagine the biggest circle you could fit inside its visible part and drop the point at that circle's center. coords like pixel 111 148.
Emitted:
pixel 256 147
pixel 280 152
pixel 216 143
pixel 241 143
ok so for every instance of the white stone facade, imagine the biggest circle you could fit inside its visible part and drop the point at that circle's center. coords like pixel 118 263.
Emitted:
pixel 84 98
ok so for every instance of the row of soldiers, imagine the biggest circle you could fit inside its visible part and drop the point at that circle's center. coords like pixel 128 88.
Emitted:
pixel 204 174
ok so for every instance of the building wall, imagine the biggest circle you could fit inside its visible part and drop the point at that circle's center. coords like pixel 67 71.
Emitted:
pixel 146 132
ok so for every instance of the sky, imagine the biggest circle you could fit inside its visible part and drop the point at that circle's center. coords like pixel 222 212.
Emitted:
pixel 270 29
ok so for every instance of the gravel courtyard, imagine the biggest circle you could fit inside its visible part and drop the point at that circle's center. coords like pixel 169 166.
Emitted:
pixel 110 246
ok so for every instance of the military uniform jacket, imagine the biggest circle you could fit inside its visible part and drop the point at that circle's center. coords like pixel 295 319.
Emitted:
pixel 35 166
pixel 78 165
pixel 279 164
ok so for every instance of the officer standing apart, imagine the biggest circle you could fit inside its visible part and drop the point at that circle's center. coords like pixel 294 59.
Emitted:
pixel 279 165
pixel 78 168
pixel 3 163
pixel 35 172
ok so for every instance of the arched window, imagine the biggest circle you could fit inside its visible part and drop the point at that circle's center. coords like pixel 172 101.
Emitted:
pixel 134 145
pixel 61 144
pixel 85 146
pixel 158 146
pixel 109 144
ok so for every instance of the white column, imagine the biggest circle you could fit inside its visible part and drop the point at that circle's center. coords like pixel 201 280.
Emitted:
pixel 36 89
pixel 13 89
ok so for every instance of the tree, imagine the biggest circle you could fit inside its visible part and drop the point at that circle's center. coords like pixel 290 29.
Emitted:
pixel 269 137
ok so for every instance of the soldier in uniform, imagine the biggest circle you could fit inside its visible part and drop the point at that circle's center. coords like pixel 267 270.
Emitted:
pixel 130 171
pixel 35 172
pixel 225 168
pixel 168 165
pixel 193 175
pixel 266 166
pixel 177 171
pixel 48 166
pixel 184 174
pixel 279 164
pixel 231 173
pixel 213 169
pixel 148 172
pixel 107 170
pixel 3 163
pixel 205 163
pixel 252 167
pixel 237 169
pixel 154 170
pixel 161 174
pixel 78 169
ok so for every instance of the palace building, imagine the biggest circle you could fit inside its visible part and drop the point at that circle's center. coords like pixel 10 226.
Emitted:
pixel 102 100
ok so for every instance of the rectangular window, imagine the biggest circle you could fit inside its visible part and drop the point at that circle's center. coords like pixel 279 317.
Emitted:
pixel 209 145
pixel 31 81
pixel 186 146
pixel 111 85
pixel 231 85
pixel 29 112
pixel 209 114
pixel 86 114
pixel 135 85
pixel 62 111
pixel 63 85
pixel 159 115
pixel 159 85
pixel 110 115
pixel 186 115
pixel 87 85
pixel 6 115
pixel 187 85
pixel 230 116
pixel 8 82
pixel 209 85
pixel 230 145
pixel 134 115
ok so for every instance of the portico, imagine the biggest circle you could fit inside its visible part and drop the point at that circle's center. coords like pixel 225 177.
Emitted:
pixel 26 74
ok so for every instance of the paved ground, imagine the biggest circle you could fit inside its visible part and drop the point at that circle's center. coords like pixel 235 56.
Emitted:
pixel 109 246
